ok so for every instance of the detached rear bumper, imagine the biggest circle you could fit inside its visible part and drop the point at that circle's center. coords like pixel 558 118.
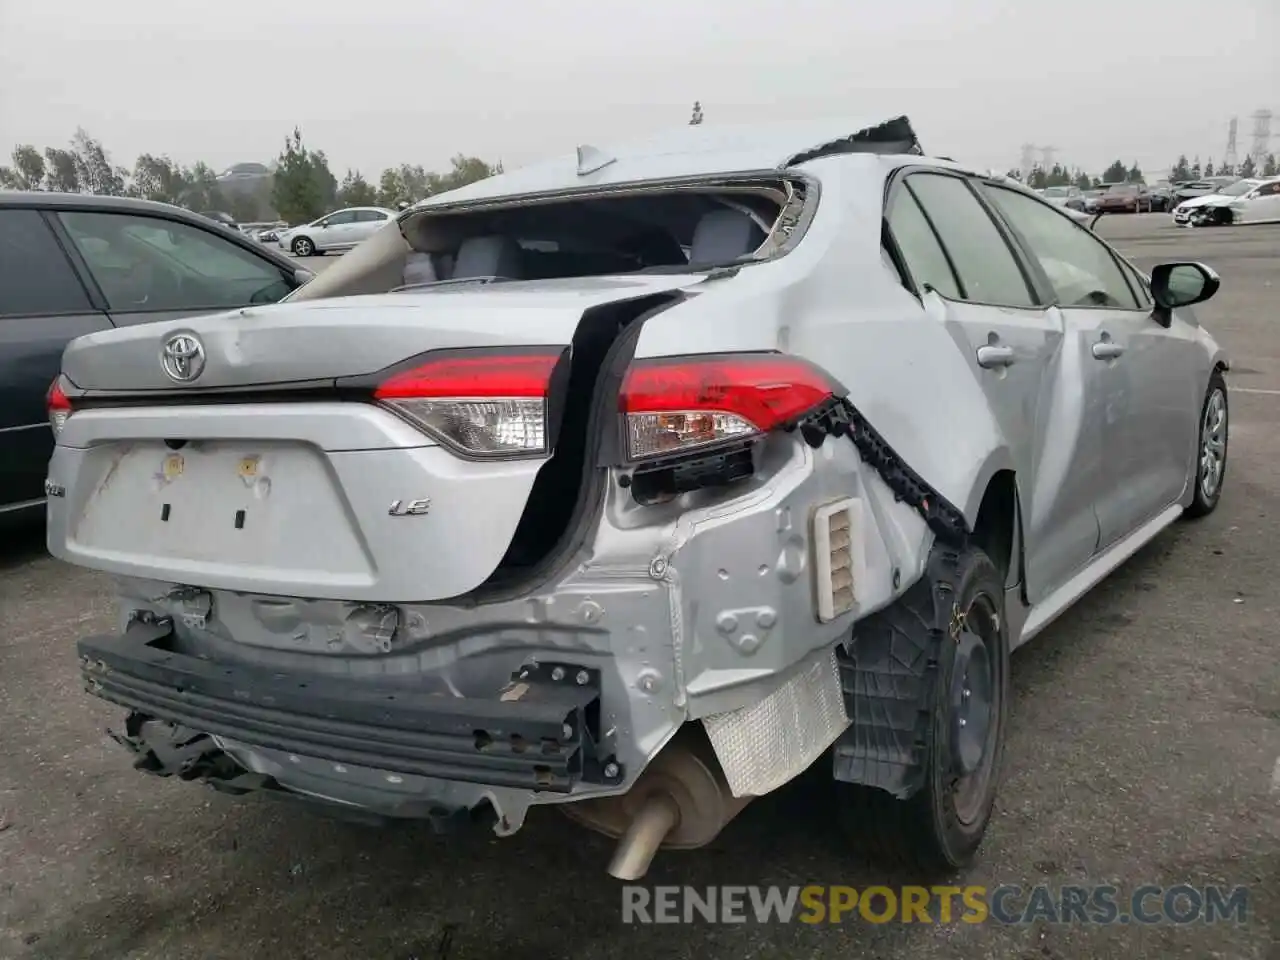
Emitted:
pixel 536 733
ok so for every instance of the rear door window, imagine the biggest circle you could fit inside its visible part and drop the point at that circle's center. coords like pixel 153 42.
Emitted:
pixel 150 264
pixel 985 265
pixel 35 275
pixel 921 252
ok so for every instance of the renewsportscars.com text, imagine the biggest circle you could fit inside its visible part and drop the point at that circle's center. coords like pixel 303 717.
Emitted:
pixel 1005 904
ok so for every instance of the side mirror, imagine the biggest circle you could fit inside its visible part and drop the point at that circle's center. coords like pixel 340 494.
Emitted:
pixel 301 276
pixel 1176 285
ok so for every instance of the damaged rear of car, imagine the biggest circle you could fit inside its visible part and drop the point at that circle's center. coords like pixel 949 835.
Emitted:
pixel 590 485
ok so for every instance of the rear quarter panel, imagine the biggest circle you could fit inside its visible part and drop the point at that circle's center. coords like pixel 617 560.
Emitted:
pixel 835 301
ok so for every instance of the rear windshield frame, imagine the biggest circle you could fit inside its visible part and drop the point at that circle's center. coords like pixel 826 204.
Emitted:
pixel 790 225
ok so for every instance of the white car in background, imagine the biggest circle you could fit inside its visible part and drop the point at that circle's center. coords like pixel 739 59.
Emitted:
pixel 1245 201
pixel 340 230
pixel 1069 198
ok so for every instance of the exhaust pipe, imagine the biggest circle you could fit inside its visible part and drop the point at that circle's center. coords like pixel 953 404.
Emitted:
pixel 636 849
pixel 680 802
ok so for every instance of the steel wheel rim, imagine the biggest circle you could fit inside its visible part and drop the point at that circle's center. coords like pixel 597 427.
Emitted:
pixel 1213 444
pixel 975 712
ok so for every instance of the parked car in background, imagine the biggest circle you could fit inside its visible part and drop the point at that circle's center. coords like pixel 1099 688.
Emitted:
pixel 1200 188
pixel 1065 197
pixel 226 219
pixel 271 233
pixel 1245 201
pixel 1090 198
pixel 74 264
pixel 1124 198
pixel 340 230
pixel 555 529
pixel 1161 194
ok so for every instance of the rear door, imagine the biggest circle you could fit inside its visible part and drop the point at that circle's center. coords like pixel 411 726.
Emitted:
pixel 1265 203
pixel 150 268
pixel 1142 373
pixel 338 231
pixel 43 305
pixel 975 284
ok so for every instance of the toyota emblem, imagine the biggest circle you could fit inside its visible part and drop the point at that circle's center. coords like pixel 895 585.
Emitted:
pixel 182 357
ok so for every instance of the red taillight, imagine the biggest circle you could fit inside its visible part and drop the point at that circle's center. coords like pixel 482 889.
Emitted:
pixel 58 407
pixel 681 403
pixel 484 404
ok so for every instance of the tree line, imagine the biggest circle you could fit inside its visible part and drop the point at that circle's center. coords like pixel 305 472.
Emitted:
pixel 1062 176
pixel 300 188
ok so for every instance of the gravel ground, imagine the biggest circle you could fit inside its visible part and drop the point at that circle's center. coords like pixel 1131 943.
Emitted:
pixel 1145 737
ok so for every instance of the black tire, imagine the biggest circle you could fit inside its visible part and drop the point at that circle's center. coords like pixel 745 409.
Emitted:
pixel 303 247
pixel 1212 433
pixel 1223 217
pixel 938 830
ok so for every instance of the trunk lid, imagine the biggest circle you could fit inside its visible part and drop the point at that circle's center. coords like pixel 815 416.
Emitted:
pixel 317 340
pixel 308 495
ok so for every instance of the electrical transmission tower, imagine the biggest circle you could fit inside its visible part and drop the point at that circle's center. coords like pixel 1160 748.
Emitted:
pixel 1261 138
pixel 1231 159
pixel 1027 160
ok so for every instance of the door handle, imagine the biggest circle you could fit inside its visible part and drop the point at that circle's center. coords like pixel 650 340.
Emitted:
pixel 1107 350
pixel 991 356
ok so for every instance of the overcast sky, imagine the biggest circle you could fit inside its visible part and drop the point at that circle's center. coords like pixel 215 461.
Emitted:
pixel 380 82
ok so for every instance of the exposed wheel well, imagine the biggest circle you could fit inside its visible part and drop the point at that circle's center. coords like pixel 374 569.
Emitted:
pixel 997 525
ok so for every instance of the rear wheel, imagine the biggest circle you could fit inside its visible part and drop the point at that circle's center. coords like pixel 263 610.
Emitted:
pixel 1211 459
pixel 940 827
pixel 303 247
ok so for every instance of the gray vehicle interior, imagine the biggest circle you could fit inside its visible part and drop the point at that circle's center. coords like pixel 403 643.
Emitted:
pixel 655 230
pixel 593 237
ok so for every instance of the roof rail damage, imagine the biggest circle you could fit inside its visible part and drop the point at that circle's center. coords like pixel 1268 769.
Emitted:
pixel 891 137
pixel 690 152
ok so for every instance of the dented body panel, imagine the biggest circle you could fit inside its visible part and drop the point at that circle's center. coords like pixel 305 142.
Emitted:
pixel 393 637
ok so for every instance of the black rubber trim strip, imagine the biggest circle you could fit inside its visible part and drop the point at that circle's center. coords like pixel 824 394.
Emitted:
pixel 841 418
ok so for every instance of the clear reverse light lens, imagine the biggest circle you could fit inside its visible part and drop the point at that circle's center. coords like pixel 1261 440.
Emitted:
pixel 493 425
pixel 649 434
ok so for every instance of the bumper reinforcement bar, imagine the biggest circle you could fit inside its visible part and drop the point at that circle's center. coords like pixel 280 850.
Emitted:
pixel 536 733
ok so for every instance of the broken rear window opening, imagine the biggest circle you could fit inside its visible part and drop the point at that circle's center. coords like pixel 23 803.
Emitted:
pixel 654 230
pixel 663 227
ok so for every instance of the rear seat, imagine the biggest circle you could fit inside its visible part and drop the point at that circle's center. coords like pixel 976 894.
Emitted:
pixel 489 256
pixel 722 236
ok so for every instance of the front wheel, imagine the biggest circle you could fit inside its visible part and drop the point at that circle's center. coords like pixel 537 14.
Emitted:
pixel 939 829
pixel 1211 459
pixel 303 247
